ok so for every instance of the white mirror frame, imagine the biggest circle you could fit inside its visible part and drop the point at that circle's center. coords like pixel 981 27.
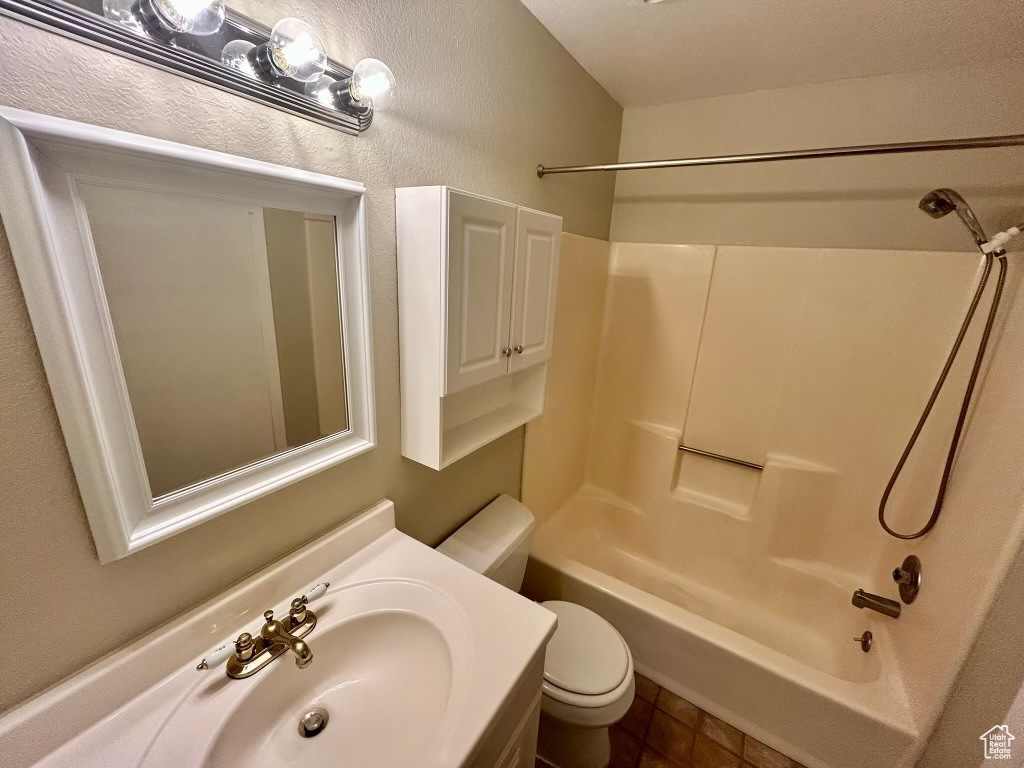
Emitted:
pixel 60 278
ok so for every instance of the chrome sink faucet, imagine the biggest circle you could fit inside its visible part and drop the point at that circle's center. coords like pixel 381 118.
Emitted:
pixel 248 654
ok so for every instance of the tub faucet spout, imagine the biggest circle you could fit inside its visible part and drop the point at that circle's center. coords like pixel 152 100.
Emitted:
pixel 884 605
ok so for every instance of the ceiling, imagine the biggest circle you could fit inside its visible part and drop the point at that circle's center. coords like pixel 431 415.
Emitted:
pixel 684 49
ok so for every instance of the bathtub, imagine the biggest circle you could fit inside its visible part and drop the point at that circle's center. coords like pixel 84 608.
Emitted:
pixel 765 644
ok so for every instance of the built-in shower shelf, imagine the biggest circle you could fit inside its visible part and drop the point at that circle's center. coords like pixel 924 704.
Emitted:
pixel 712 502
pixel 706 481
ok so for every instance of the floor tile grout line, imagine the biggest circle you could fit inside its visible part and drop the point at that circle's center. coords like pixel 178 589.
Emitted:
pixel 647 727
pixel 697 734
pixel 666 758
pixel 696 730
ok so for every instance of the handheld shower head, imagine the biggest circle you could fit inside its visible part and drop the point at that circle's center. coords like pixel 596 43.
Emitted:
pixel 940 202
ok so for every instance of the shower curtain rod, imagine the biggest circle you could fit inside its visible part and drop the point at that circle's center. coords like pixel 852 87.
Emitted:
pixel 941 145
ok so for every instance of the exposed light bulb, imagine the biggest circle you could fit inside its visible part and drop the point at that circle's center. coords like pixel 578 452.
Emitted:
pixel 163 19
pixel 296 51
pixel 320 89
pixel 193 17
pixel 236 55
pixel 373 84
pixel 121 12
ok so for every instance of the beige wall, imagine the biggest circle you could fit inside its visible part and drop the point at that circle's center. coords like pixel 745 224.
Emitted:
pixel 288 264
pixel 486 94
pixel 842 203
pixel 555 457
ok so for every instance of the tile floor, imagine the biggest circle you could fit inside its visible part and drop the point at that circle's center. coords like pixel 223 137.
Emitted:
pixel 662 730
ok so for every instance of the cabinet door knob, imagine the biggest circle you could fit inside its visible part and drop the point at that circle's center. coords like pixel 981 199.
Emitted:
pixel 519 349
pixel 507 352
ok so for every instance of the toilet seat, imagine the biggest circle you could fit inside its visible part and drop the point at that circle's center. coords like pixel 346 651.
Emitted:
pixel 588 669
pixel 586 655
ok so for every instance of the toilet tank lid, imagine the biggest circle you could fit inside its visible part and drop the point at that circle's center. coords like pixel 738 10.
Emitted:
pixel 490 536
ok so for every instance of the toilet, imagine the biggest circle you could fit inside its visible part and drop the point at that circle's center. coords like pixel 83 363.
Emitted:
pixel 588 669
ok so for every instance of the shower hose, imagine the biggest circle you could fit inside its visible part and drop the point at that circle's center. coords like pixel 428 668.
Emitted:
pixel 990 259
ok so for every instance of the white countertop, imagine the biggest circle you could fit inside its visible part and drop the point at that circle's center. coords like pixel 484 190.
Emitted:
pixel 80 724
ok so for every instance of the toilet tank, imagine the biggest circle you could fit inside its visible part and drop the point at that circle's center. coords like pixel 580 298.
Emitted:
pixel 494 542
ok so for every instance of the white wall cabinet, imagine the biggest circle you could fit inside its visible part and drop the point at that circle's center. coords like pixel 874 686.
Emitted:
pixel 480 265
pixel 533 288
pixel 476 284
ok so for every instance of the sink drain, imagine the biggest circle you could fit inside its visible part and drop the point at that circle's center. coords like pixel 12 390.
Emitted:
pixel 313 722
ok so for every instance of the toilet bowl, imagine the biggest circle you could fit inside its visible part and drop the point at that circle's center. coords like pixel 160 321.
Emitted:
pixel 588 686
pixel 588 669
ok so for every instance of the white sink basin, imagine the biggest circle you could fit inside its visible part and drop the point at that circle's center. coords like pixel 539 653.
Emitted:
pixel 382 669
pixel 418 661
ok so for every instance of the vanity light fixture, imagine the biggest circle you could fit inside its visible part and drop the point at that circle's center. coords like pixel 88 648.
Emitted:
pixel 285 67
pixel 294 50
pixel 163 19
pixel 371 87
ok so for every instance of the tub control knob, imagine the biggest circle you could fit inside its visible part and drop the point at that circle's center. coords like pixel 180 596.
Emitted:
pixel 908 576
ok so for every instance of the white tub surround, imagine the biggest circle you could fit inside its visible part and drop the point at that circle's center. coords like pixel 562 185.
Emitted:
pixel 732 579
pixel 766 649
pixel 420 661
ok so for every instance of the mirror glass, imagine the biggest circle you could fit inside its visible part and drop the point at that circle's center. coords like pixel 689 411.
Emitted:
pixel 227 321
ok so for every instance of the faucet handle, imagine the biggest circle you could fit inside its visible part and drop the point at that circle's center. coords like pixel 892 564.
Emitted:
pixel 216 656
pixel 315 592
pixel 298 612
pixel 245 648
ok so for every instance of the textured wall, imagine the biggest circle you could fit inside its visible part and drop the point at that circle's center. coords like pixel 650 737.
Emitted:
pixel 866 202
pixel 486 94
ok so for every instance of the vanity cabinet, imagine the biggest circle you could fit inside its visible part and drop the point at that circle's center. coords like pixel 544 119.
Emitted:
pixel 476 286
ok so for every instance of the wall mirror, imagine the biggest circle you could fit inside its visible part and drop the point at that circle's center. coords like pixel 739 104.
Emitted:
pixel 203 319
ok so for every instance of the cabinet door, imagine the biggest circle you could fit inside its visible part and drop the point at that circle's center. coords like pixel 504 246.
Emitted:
pixel 538 236
pixel 481 251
